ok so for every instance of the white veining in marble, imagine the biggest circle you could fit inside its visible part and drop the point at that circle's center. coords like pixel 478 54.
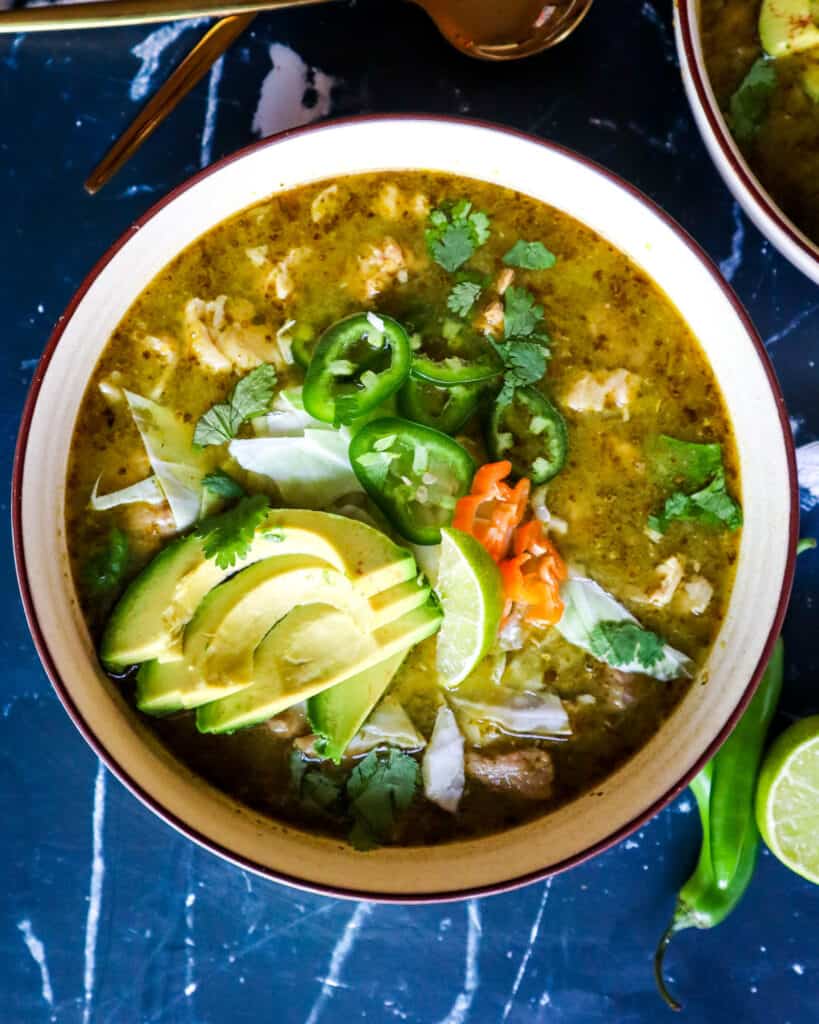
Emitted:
pixel 472 978
pixel 38 955
pixel 807 470
pixel 283 100
pixel 651 15
pixel 524 963
pixel 92 919
pixel 338 958
pixel 729 266
pixel 791 325
pixel 149 53
pixel 211 110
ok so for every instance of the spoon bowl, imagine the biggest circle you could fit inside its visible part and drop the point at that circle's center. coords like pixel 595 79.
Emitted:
pixel 479 28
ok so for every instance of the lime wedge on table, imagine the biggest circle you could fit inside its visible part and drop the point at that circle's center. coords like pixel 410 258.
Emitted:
pixel 469 587
pixel 787 798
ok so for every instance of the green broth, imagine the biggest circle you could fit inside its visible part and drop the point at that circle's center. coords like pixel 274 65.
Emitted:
pixel 602 313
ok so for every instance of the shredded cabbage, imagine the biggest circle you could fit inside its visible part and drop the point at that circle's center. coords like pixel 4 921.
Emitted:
pixel 443 765
pixel 147 490
pixel 310 471
pixel 388 726
pixel 586 605
pixel 540 715
pixel 178 467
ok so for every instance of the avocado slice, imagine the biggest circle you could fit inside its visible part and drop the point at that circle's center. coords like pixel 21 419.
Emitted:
pixel 810 78
pixel 313 648
pixel 164 687
pixel 788 26
pixel 337 714
pixel 150 617
pixel 235 616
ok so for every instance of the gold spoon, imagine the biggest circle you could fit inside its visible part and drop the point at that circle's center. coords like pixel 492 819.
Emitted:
pixel 476 27
pixel 490 29
pixel 178 84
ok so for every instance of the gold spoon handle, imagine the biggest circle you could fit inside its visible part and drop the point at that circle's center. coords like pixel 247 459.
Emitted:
pixel 131 12
pixel 178 84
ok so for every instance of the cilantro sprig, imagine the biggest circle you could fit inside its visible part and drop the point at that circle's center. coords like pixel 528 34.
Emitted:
pixel 105 570
pixel 524 351
pixel 454 231
pixel 687 465
pixel 223 485
pixel 749 105
pixel 251 397
pixel 622 644
pixel 712 506
pixel 529 256
pixel 379 789
pixel 461 300
pixel 226 538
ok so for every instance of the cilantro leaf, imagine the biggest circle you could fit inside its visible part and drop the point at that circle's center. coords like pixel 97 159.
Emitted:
pixel 529 256
pixel 521 314
pixel 454 231
pixel 463 297
pixel 104 571
pixel 621 644
pixel 524 364
pixel 749 105
pixel 251 397
pixel 227 537
pixel 712 506
pixel 379 788
pixel 222 484
pixel 675 463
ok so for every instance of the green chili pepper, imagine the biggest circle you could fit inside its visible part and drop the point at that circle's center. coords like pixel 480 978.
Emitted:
pixel 455 369
pixel 445 409
pixel 701 903
pixel 530 432
pixel 302 349
pixel 358 363
pixel 726 837
pixel 735 772
pixel 413 473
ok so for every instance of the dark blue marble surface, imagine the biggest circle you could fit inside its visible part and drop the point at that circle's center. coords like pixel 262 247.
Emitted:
pixel 107 915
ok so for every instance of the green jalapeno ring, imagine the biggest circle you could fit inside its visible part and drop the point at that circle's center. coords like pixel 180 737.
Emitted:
pixel 414 474
pixel 358 363
pixel 444 409
pixel 530 432
pixel 446 373
pixel 302 350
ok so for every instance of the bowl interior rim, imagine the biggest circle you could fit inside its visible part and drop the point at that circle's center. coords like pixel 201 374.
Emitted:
pixel 98 745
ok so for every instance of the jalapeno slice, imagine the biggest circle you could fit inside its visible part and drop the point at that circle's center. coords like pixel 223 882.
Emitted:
pixel 456 369
pixel 413 473
pixel 302 349
pixel 357 364
pixel 445 409
pixel 529 432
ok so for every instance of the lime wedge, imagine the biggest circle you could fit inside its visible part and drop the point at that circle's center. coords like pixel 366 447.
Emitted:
pixel 469 588
pixel 787 798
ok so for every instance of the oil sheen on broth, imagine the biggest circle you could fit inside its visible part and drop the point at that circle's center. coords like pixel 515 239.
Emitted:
pixel 624 370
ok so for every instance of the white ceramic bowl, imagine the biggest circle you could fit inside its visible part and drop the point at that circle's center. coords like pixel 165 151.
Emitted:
pixel 755 200
pixel 630 222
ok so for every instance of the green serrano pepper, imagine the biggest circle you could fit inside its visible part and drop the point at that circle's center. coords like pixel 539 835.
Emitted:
pixel 701 903
pixel 735 772
pixel 445 409
pixel 729 832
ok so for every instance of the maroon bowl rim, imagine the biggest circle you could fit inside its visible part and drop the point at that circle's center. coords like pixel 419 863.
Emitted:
pixel 504 885
pixel 760 195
